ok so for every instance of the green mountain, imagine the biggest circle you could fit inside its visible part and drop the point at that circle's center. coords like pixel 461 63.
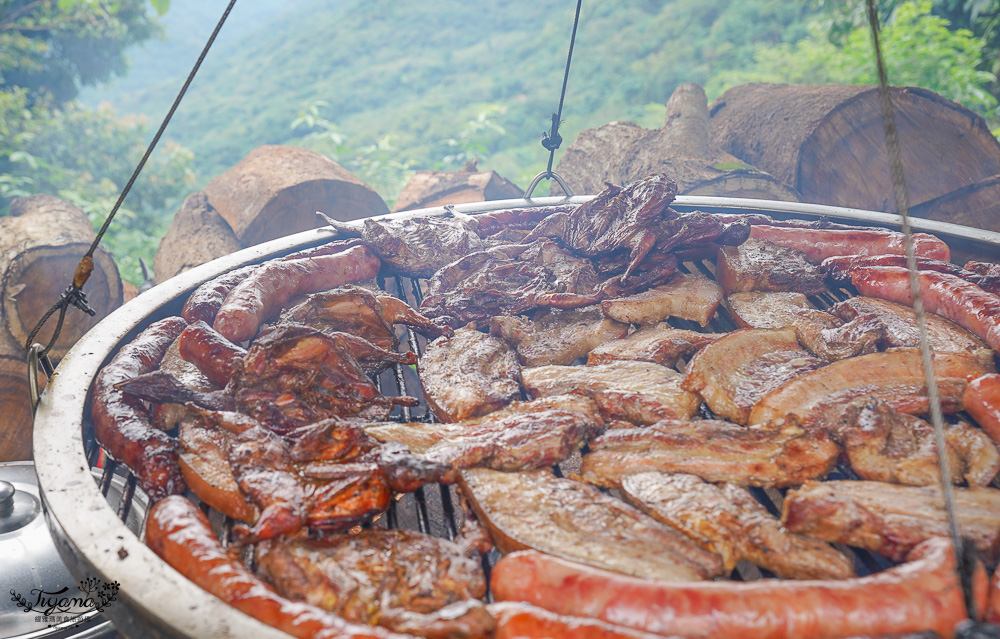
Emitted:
pixel 413 73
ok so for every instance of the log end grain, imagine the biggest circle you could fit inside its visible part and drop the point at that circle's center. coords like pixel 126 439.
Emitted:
pixel 198 234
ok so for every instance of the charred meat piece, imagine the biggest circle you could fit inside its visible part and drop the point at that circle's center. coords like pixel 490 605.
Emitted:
pixel 617 219
pixel 690 297
pixel 296 375
pixel 980 459
pixel 637 392
pixel 735 371
pixel 523 436
pixel 823 334
pixel 727 520
pixel 890 519
pixel 578 522
pixel 820 398
pixel 557 336
pixel 901 327
pixel 362 313
pixel 713 450
pixel 166 416
pixel 510 279
pixel 657 343
pixel 402 580
pixel 204 461
pixel 468 375
pixel 759 265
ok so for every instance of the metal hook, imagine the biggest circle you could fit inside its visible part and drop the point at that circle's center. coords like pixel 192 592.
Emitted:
pixel 36 356
pixel 551 175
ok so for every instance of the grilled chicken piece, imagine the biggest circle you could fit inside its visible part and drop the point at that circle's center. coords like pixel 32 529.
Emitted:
pixel 820 398
pixel 658 343
pixel 402 580
pixel 890 519
pixel 510 279
pixel 735 371
pixel 617 219
pixel 687 296
pixel 469 375
pixel 575 521
pixel 713 450
pixel 760 265
pixel 166 416
pixel 900 323
pixel 823 334
pixel 977 452
pixel 557 336
pixel 523 436
pixel 296 375
pixel 727 520
pixel 637 392
pixel 362 313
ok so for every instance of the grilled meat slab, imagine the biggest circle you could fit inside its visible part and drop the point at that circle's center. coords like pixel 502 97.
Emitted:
pixel 204 461
pixel 468 375
pixel 399 579
pixel 820 398
pixel 657 343
pixel 523 436
pixel 716 451
pixel 726 519
pixel 759 265
pixel 637 392
pixel 890 519
pixel 735 371
pixel 823 334
pixel 687 296
pixel 573 520
pixel 557 336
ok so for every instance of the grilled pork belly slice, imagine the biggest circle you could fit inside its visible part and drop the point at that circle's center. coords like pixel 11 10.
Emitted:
pixel 726 519
pixel 637 392
pixel 760 265
pixel 576 521
pixel 399 579
pixel 204 461
pixel 713 450
pixel 900 324
pixel 823 334
pixel 890 519
pixel 657 343
pixel 523 436
pixel 820 398
pixel 468 375
pixel 734 372
pixel 687 296
pixel 555 336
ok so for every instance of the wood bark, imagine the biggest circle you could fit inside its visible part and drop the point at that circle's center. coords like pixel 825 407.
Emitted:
pixel 621 152
pixel 41 243
pixel 197 234
pixel 437 188
pixel 276 190
pixel 16 415
pixel 828 142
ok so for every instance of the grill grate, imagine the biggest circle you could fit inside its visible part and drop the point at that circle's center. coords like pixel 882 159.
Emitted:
pixel 437 510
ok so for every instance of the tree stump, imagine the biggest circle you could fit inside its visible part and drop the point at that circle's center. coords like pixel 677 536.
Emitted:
pixel 276 190
pixel 828 142
pixel 41 243
pixel 198 234
pixel 437 188
pixel 621 152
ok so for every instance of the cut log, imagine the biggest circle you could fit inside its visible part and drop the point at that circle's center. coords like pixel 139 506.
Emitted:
pixel 276 190
pixel 828 142
pixel 976 205
pixel 198 234
pixel 41 244
pixel 16 415
pixel 622 152
pixel 437 188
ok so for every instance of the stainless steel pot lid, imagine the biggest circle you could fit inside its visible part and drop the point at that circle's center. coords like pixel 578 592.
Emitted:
pixel 41 598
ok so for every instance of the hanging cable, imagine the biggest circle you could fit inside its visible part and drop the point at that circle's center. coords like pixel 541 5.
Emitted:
pixel 74 295
pixel 551 139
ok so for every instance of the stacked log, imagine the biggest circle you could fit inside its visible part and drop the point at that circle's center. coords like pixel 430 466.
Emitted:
pixel 198 234
pixel 41 243
pixel 621 152
pixel 437 188
pixel 828 143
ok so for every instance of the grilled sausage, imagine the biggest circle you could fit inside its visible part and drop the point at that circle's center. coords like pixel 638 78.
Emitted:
pixel 982 400
pixel 819 244
pixel 517 620
pixel 213 354
pixel 122 423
